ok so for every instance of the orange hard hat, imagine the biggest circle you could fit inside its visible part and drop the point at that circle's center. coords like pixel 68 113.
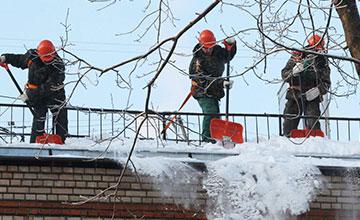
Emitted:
pixel 316 40
pixel 207 39
pixel 46 50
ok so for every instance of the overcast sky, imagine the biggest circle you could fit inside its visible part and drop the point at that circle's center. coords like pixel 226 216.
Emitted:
pixel 94 35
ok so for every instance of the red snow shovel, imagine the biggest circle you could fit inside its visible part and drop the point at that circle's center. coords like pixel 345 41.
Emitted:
pixel 225 130
pixel 49 139
pixel 302 133
pixel 45 138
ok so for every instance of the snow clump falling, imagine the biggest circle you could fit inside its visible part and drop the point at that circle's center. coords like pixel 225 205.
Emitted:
pixel 173 178
pixel 259 186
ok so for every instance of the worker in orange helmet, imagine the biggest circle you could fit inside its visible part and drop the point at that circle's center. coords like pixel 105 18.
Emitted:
pixel 206 70
pixel 45 87
pixel 308 76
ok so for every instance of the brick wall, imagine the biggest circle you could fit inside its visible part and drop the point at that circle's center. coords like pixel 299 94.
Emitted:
pixel 45 189
pixel 340 198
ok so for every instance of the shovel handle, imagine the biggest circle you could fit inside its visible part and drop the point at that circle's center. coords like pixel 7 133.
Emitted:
pixel 6 67
pixel 182 105
pixel 12 78
pixel 227 91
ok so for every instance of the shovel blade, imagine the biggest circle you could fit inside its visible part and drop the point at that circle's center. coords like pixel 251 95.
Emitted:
pixel 303 133
pixel 227 131
pixel 49 139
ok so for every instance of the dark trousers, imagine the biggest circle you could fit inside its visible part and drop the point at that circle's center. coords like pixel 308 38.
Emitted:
pixel 59 116
pixel 294 106
pixel 208 106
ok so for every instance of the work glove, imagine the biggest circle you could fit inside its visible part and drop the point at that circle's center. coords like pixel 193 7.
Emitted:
pixel 297 69
pixel 312 93
pixel 2 59
pixel 229 43
pixel 228 83
pixel 24 97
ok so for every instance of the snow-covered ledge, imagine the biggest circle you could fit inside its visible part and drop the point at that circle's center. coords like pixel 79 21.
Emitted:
pixel 275 179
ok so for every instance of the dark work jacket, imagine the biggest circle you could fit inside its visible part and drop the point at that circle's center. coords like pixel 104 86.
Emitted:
pixel 207 70
pixel 316 74
pixel 49 77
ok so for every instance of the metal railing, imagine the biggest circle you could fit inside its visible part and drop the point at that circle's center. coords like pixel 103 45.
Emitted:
pixel 99 124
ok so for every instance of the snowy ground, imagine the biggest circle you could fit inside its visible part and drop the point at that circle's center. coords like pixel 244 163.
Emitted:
pixel 252 181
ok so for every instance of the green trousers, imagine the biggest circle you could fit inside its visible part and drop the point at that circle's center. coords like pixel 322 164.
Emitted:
pixel 208 106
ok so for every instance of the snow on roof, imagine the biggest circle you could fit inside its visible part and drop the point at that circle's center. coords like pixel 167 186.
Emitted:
pixel 315 151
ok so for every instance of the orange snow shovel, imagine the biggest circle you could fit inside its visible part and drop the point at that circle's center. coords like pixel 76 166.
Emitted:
pixel 225 130
pixel 45 138
pixel 302 133
pixel 49 139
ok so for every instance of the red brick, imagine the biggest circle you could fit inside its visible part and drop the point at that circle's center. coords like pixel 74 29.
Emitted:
pixel 4 182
